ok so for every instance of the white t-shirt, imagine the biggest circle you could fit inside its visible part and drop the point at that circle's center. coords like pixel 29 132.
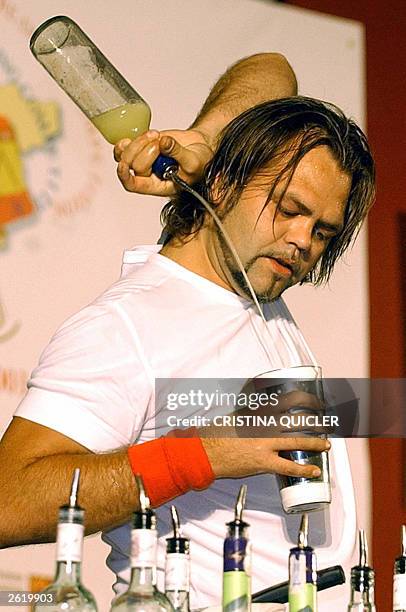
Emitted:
pixel 95 383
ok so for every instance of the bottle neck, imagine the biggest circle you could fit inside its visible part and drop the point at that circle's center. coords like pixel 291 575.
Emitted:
pixel 362 589
pixel 143 578
pixel 179 600
pixel 69 544
pixel 68 572
pixel 399 586
pixel 366 597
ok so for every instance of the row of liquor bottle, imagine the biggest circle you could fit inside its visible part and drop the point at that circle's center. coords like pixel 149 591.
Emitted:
pixel 67 592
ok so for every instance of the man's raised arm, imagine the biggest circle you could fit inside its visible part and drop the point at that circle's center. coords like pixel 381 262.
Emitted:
pixel 250 81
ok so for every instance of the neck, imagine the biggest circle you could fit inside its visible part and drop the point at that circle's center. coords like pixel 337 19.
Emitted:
pixel 142 578
pixel 68 572
pixel 198 255
pixel 363 598
pixel 179 600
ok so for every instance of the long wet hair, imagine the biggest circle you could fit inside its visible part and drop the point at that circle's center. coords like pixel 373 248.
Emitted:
pixel 279 133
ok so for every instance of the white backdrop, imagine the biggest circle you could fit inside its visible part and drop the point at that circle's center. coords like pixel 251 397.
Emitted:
pixel 69 249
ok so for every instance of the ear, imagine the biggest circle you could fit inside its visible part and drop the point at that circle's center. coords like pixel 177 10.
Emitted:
pixel 215 197
pixel 219 196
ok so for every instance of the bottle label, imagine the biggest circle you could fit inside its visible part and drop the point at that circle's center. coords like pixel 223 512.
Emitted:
pixel 248 559
pixel 236 592
pixel 177 572
pixel 399 592
pixel 69 542
pixel 143 547
pixel 237 555
pixel 302 598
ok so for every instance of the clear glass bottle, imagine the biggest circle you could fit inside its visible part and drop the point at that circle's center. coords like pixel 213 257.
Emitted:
pixel 302 572
pixel 114 107
pixel 67 592
pixel 87 76
pixel 362 581
pixel 177 567
pixel 362 590
pixel 399 578
pixel 142 594
pixel 237 561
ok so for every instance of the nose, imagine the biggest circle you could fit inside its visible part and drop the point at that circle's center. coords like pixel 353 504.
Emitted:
pixel 299 233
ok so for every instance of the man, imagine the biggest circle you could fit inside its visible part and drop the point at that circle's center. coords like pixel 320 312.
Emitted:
pixel 292 181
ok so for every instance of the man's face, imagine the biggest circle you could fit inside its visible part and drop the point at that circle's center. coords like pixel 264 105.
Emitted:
pixel 279 246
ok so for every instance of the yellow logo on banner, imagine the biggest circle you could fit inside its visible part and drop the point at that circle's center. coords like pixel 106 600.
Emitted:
pixel 39 161
pixel 24 125
pixel 15 201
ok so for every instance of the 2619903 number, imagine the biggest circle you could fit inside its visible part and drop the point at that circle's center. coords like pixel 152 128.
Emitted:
pixel 17 598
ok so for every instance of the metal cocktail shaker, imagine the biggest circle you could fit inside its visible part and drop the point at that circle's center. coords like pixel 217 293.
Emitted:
pixel 300 494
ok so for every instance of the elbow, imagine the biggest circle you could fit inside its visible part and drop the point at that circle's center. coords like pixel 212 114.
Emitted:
pixel 7 515
pixel 9 531
pixel 12 510
pixel 21 521
pixel 287 73
pixel 277 65
pixel 14 531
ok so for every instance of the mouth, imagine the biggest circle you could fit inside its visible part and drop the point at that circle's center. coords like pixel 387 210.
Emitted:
pixel 281 266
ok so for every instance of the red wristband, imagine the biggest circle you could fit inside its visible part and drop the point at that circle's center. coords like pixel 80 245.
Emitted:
pixel 171 466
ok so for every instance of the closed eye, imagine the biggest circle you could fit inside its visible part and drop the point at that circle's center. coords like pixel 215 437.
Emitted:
pixel 288 213
pixel 323 232
pixel 323 237
pixel 326 235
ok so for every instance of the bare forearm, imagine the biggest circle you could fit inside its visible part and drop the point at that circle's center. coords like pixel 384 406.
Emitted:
pixel 33 486
pixel 250 81
pixel 35 492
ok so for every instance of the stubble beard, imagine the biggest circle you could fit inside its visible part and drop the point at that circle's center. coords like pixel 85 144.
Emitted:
pixel 263 297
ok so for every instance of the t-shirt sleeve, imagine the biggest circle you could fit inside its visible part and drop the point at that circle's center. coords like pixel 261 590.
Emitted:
pixel 91 383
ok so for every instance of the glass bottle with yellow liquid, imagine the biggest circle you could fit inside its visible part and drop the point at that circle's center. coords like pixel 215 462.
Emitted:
pixel 93 83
